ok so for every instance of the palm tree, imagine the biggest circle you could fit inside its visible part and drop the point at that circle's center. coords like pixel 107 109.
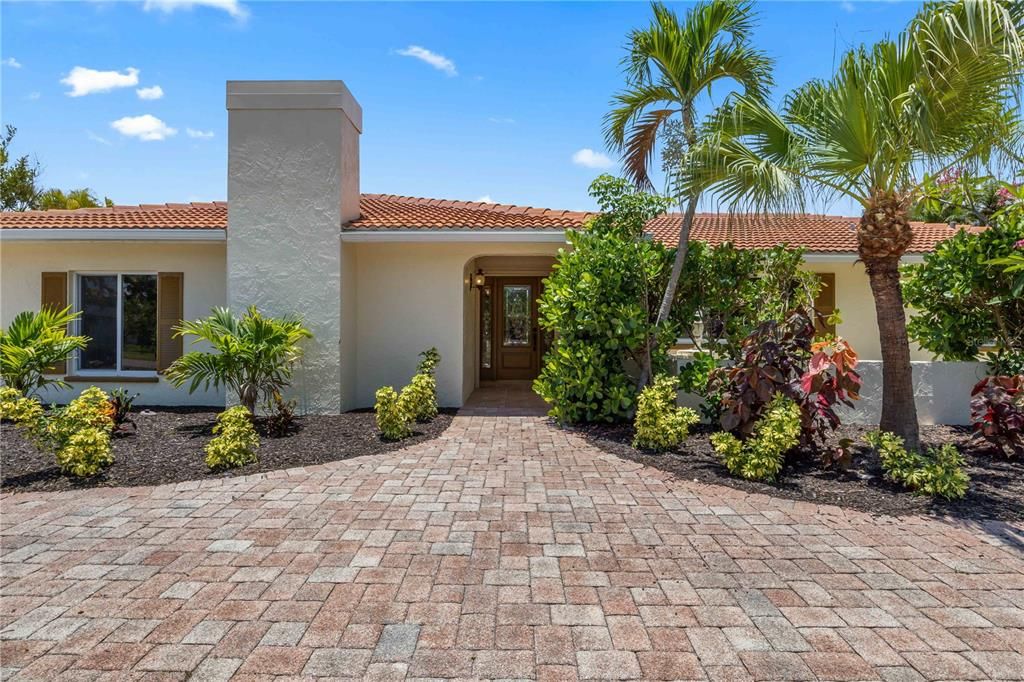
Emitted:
pixel 669 66
pixel 942 95
pixel 33 344
pixel 253 355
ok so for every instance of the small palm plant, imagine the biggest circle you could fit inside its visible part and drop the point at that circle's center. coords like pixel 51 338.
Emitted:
pixel 33 344
pixel 253 355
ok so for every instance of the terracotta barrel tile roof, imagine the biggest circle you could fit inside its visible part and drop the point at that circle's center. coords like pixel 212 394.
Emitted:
pixel 390 212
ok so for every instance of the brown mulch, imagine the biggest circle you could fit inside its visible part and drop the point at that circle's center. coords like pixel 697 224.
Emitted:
pixel 167 447
pixel 996 489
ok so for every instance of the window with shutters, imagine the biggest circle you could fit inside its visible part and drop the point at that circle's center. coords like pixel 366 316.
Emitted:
pixel 119 315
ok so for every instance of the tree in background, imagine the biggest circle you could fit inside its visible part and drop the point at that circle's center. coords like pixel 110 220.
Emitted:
pixel 669 66
pixel 941 95
pixel 19 184
pixel 961 197
pixel 600 301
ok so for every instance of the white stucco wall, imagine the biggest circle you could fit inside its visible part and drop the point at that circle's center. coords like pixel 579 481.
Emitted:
pixel 413 296
pixel 293 169
pixel 21 265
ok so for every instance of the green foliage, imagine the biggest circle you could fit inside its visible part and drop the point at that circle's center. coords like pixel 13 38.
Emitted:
pixel 76 198
pixel 32 344
pixel 660 424
pixel 962 197
pixel 429 360
pixel 253 355
pixel 235 440
pixel 78 435
pixel 393 417
pixel 695 377
pixel 731 291
pixel 600 303
pixel 939 472
pixel 761 456
pixel 19 184
pixel 419 398
pixel 961 300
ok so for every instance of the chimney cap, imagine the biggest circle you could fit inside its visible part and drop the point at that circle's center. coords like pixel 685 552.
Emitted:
pixel 294 95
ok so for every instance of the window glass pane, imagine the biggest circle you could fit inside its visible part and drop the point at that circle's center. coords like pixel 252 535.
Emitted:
pixel 485 327
pixel 518 321
pixel 97 300
pixel 138 319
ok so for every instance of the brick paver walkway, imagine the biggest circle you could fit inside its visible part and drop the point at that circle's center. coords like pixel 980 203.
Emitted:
pixel 504 549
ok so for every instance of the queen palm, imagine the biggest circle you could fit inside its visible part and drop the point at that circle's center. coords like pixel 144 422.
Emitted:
pixel 669 66
pixel 943 94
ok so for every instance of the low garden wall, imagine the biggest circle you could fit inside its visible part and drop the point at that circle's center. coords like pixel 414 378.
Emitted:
pixel 942 390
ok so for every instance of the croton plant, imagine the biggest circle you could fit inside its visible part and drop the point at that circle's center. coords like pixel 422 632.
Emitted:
pixel 997 412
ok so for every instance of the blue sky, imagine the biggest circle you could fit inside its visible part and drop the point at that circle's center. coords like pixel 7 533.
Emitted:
pixel 498 101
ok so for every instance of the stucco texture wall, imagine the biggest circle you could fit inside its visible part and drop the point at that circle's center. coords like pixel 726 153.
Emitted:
pixel 411 297
pixel 21 265
pixel 857 308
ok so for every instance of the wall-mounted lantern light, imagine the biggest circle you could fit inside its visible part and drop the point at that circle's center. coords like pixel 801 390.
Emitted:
pixel 478 279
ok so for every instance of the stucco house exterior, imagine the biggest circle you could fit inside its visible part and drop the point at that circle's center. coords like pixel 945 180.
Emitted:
pixel 378 278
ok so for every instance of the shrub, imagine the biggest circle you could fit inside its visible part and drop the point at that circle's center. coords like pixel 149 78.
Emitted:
pixel 429 360
pixel 33 344
pixel 600 303
pixel 253 355
pixel 393 418
pixel 121 407
pixel 235 440
pixel 419 398
pixel 761 456
pixel 696 377
pixel 660 424
pixel 78 435
pixel 281 416
pixel 939 472
pixel 997 412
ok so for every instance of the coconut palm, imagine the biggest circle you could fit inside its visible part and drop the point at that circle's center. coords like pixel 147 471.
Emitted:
pixel 252 355
pixel 669 66
pixel 942 95
pixel 31 346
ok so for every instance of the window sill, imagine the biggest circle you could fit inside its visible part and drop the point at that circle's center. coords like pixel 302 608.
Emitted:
pixel 111 378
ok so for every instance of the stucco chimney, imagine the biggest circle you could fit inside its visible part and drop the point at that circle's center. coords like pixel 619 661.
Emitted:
pixel 293 180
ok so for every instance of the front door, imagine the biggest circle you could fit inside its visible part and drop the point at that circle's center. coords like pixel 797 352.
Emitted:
pixel 517 339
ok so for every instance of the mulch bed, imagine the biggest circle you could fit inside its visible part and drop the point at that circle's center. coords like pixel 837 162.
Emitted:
pixel 996 489
pixel 168 448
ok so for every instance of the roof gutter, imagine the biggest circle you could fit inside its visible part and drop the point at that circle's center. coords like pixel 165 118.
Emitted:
pixel 428 235
pixel 122 234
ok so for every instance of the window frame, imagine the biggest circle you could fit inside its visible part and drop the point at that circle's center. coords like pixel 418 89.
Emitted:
pixel 76 290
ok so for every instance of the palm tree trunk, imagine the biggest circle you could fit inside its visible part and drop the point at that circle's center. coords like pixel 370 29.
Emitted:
pixel 884 234
pixel 665 309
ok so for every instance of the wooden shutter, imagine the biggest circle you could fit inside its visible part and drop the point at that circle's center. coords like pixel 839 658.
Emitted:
pixel 825 304
pixel 55 296
pixel 170 303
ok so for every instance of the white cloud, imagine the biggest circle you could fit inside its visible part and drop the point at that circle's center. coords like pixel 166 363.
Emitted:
pixel 439 62
pixel 847 6
pixel 12 62
pixel 154 92
pixel 96 138
pixel 502 119
pixel 486 199
pixel 147 128
pixel 199 134
pixel 85 81
pixel 232 7
pixel 588 158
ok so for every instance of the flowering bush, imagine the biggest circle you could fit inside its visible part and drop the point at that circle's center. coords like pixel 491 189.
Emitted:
pixel 660 423
pixel 235 440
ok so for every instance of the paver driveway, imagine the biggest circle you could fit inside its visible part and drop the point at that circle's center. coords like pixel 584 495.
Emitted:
pixel 504 549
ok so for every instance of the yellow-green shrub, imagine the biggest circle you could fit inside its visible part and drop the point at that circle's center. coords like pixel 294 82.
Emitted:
pixel 393 417
pixel 938 472
pixel 420 397
pixel 760 457
pixel 78 435
pixel 659 423
pixel 235 442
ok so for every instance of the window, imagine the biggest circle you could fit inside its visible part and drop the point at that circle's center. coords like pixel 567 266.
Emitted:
pixel 825 304
pixel 119 314
pixel 518 317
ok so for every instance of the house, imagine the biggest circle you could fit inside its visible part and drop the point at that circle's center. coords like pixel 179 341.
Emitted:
pixel 378 278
